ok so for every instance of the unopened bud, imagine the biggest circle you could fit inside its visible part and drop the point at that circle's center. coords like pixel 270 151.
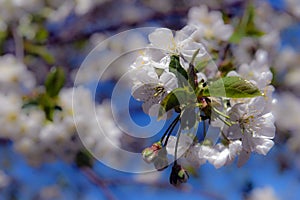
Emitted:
pixel 178 175
pixel 150 154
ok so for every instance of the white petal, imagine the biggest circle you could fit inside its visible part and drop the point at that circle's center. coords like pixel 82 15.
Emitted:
pixel 185 33
pixel 243 158
pixel 234 132
pixel 222 32
pixel 151 105
pixel 190 47
pixel 183 145
pixel 143 92
pixel 263 146
pixel 162 38
pixel 261 56
pixel 145 75
pixel 169 81
pixel 221 158
pixel 266 128
pixel 235 147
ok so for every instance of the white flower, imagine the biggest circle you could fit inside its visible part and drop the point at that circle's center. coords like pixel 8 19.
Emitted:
pixel 210 24
pixel 223 155
pixel 187 151
pixel 197 154
pixel 95 125
pixel 41 141
pixel 31 122
pixel 184 144
pixel 10 118
pixel 180 44
pixel 287 112
pixel 151 87
pixel 14 76
pixel 252 126
pixel 291 79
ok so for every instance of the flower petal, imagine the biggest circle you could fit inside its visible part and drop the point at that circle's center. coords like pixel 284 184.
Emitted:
pixel 162 38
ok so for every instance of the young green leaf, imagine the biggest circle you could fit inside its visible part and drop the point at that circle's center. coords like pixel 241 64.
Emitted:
pixel 175 99
pixel 192 76
pixel 54 82
pixel 201 65
pixel 178 70
pixel 40 51
pixel 232 87
pixel 246 26
pixel 47 104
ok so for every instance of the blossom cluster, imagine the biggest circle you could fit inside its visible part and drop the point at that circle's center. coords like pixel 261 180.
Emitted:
pixel 43 138
pixel 187 73
pixel 213 74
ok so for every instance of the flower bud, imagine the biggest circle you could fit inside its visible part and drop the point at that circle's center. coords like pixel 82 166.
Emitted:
pixel 178 175
pixel 150 154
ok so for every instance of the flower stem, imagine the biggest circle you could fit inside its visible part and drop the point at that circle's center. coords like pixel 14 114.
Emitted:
pixel 224 121
pixel 167 139
pixel 19 46
pixel 220 113
pixel 176 146
pixel 170 129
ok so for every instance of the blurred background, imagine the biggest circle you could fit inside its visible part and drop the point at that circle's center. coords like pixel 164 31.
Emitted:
pixel 40 161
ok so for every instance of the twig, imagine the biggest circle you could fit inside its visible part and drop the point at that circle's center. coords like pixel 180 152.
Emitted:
pixel 19 45
pixel 104 183
pixel 93 177
pixel 68 35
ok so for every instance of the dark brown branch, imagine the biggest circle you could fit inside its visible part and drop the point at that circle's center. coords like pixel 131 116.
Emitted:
pixel 104 183
pixel 93 177
pixel 84 26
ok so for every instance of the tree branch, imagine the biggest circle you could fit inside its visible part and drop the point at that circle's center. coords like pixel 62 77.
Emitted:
pixel 93 177
pixel 103 184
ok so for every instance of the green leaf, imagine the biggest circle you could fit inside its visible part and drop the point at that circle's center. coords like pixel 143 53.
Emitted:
pixel 55 81
pixel 47 104
pixel 41 35
pixel 3 36
pixel 178 70
pixel 201 65
pixel 192 76
pixel 246 26
pixel 175 99
pixel 40 51
pixel 232 87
